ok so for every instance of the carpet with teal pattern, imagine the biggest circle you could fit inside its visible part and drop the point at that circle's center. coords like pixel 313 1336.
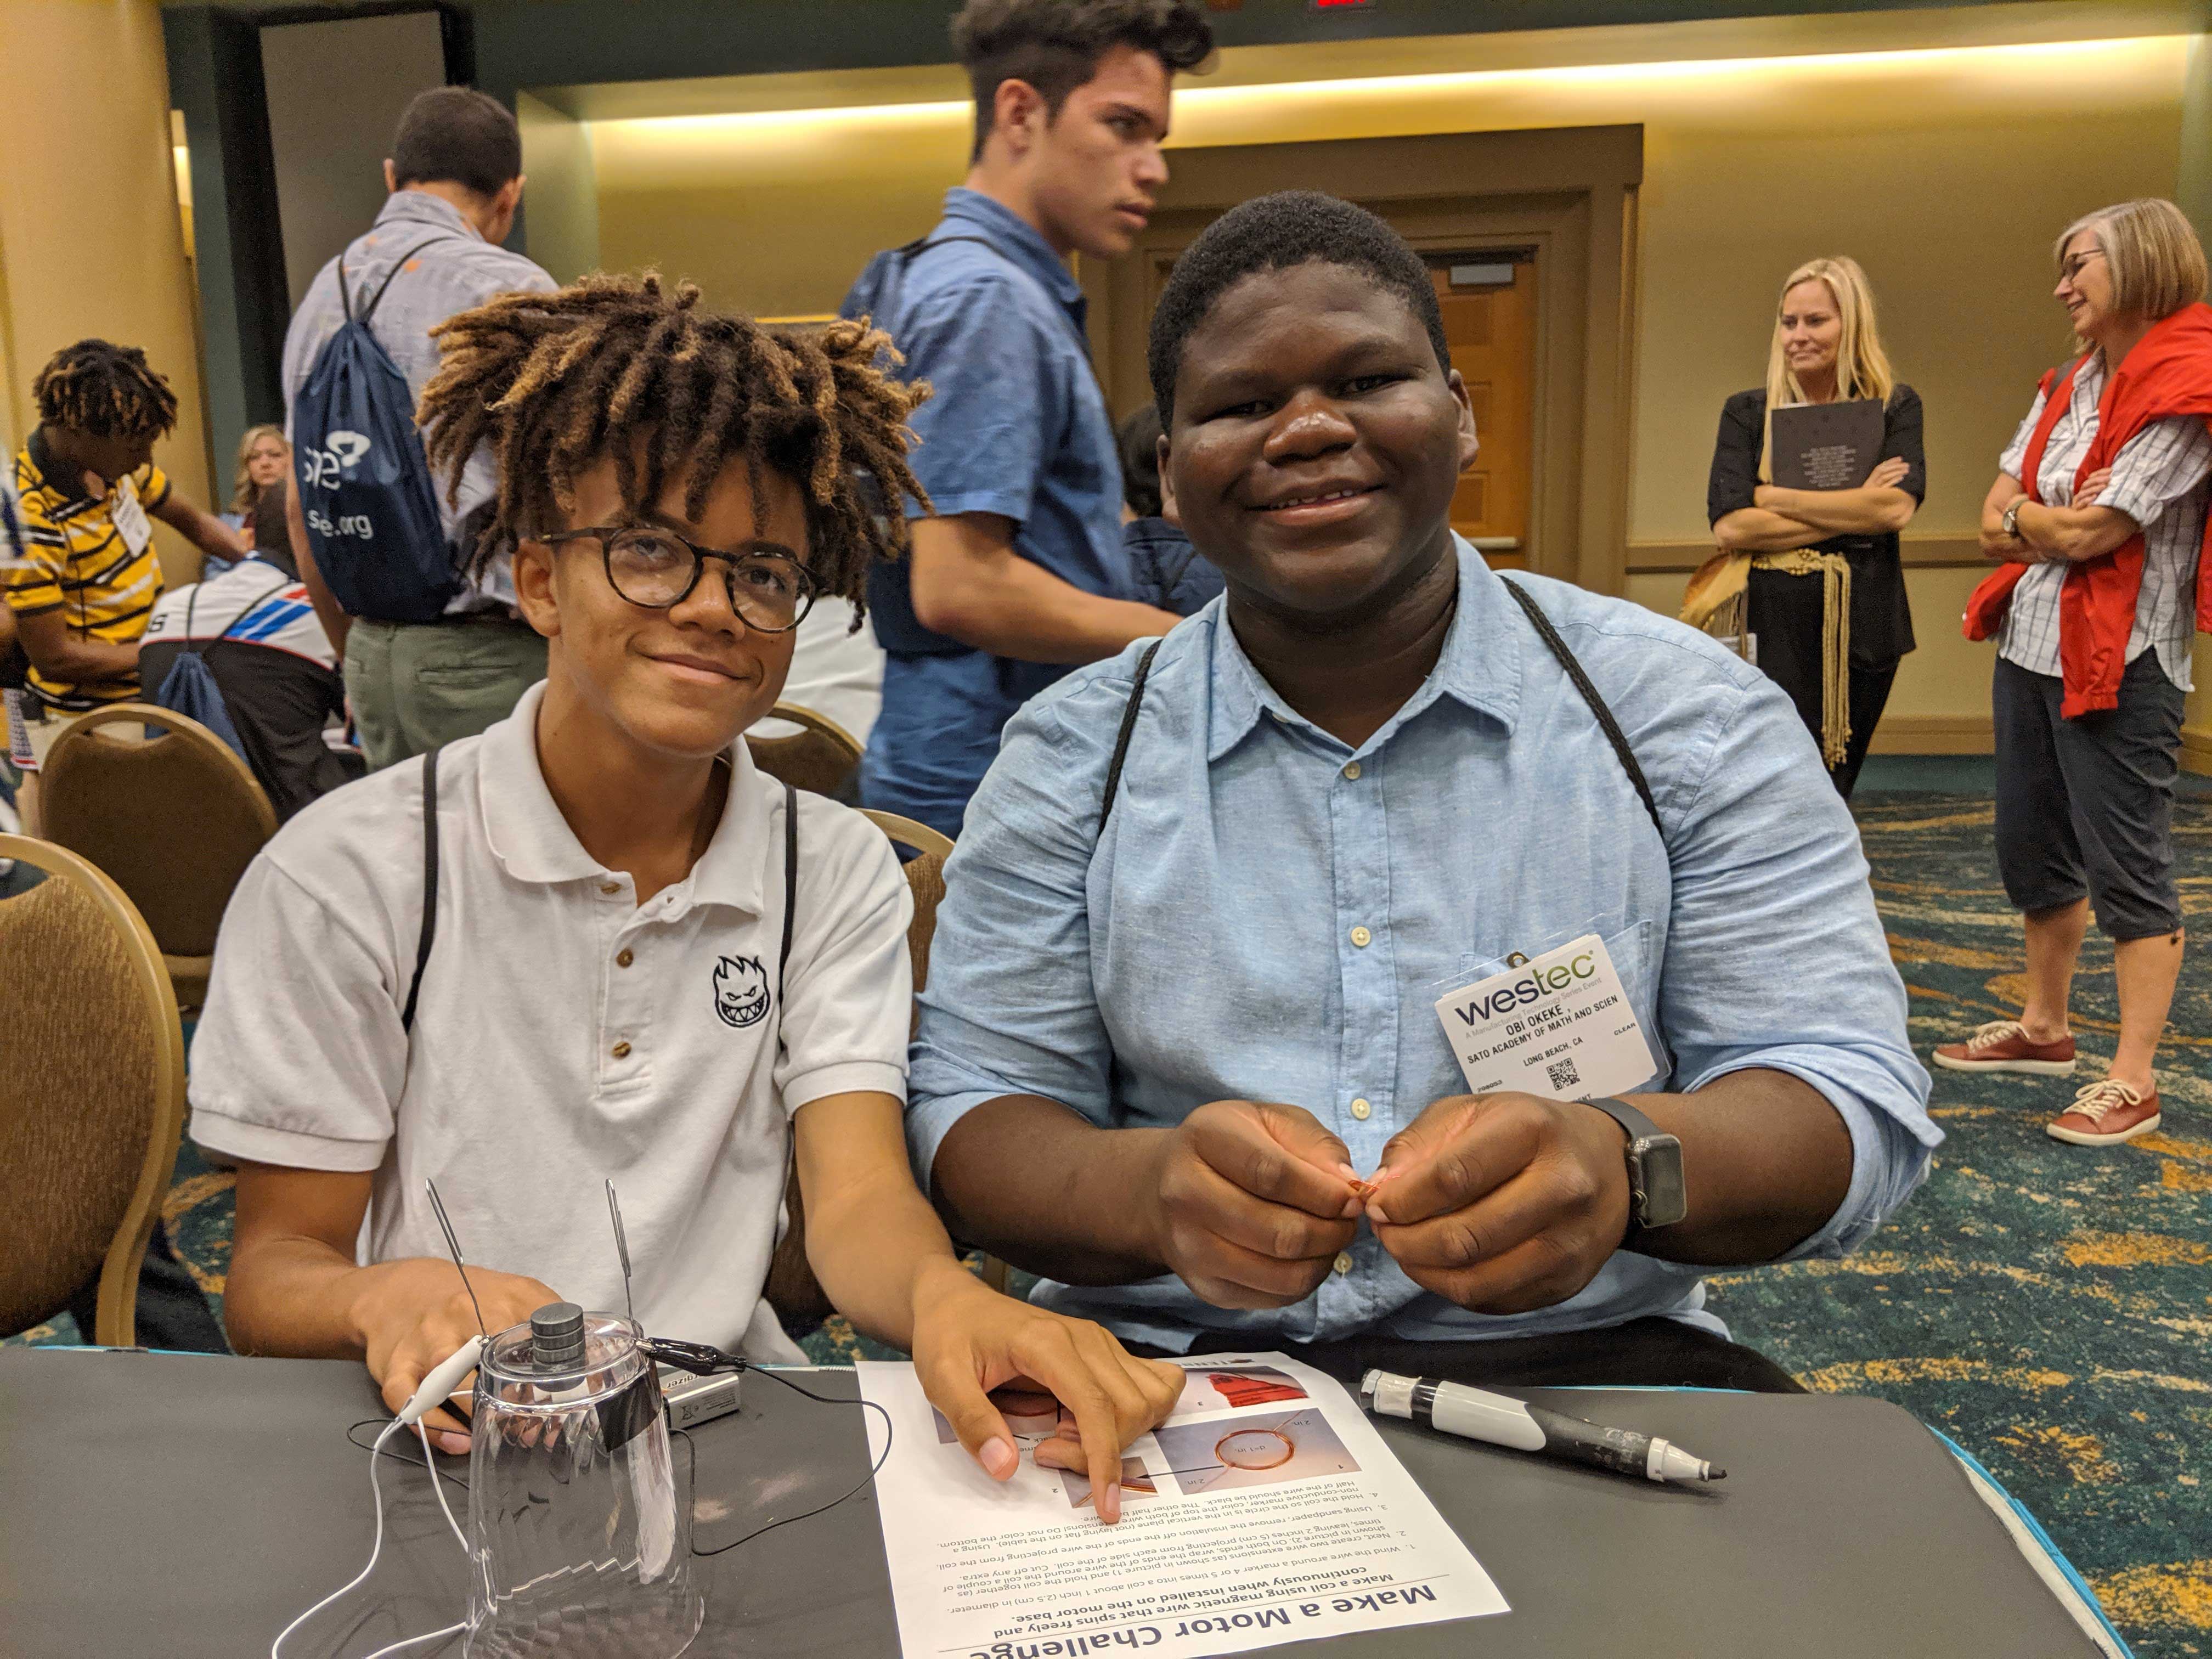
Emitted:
pixel 2049 1307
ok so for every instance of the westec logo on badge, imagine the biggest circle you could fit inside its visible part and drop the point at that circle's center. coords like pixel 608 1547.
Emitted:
pixel 1533 986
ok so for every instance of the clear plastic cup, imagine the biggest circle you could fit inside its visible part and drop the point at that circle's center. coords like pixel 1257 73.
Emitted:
pixel 578 1540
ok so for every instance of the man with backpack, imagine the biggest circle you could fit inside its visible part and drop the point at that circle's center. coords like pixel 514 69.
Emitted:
pixel 1019 573
pixel 431 655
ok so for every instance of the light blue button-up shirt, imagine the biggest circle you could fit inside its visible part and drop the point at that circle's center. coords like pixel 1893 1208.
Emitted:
pixel 1263 920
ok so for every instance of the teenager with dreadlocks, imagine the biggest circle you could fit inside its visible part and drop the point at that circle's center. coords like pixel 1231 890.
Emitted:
pixel 86 482
pixel 621 982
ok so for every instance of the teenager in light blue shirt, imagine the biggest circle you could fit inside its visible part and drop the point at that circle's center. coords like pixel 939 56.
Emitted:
pixel 1018 568
pixel 1156 1054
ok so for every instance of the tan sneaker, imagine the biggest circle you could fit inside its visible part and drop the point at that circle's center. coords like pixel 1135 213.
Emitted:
pixel 2003 1045
pixel 2104 1113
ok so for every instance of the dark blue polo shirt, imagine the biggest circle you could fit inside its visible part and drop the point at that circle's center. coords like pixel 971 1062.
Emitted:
pixel 1017 427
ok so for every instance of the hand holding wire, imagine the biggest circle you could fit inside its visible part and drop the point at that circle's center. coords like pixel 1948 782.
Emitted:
pixel 442 1380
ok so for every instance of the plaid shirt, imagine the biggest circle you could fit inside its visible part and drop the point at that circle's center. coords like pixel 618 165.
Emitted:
pixel 2162 479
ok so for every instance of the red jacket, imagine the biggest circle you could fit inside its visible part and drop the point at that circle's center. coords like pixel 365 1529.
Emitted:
pixel 2169 372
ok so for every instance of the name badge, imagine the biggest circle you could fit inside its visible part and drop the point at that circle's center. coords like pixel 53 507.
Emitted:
pixel 130 521
pixel 1559 1024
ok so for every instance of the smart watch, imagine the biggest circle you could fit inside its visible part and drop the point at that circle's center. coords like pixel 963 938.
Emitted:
pixel 1656 1197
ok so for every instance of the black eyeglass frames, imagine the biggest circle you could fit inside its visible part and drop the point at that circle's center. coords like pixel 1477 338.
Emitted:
pixel 657 568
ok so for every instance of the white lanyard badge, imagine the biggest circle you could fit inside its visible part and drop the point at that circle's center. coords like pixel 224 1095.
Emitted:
pixel 1559 1024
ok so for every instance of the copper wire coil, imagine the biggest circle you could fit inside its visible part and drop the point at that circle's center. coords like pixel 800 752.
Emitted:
pixel 1243 1460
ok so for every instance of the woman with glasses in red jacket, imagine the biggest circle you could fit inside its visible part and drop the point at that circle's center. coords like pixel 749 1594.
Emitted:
pixel 2098 518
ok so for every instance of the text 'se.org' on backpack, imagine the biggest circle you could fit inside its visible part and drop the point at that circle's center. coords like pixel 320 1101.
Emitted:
pixel 365 484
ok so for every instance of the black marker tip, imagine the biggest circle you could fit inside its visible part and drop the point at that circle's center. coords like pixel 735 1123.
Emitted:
pixel 1715 1471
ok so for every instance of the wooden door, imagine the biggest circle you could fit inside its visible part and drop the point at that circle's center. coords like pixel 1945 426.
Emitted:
pixel 1489 305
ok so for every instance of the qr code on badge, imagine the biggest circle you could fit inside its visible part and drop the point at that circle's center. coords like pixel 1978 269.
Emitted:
pixel 1564 1075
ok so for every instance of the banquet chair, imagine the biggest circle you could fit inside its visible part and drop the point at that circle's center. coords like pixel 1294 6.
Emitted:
pixel 91 1098
pixel 175 819
pixel 821 756
pixel 912 837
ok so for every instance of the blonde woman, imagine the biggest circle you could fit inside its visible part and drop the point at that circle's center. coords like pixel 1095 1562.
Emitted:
pixel 2097 522
pixel 1825 592
pixel 263 457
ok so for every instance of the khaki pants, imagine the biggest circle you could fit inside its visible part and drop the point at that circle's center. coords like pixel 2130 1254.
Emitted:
pixel 414 685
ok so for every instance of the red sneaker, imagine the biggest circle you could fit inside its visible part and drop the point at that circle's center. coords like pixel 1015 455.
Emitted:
pixel 2003 1045
pixel 2106 1114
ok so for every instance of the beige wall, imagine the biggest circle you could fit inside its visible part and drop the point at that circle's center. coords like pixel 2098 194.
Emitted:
pixel 90 239
pixel 561 204
pixel 769 215
pixel 1945 171
pixel 1945 174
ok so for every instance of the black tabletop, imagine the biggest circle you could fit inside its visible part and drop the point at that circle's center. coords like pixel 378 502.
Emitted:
pixel 186 1505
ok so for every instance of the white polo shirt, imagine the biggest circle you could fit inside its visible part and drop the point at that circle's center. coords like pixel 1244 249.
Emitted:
pixel 564 1034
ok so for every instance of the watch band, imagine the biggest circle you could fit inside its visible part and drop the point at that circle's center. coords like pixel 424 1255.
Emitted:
pixel 1638 1127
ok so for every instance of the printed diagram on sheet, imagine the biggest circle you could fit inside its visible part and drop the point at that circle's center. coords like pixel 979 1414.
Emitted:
pixel 1266 1508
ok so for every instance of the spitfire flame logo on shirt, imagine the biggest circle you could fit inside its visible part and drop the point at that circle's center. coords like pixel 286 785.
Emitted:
pixel 741 990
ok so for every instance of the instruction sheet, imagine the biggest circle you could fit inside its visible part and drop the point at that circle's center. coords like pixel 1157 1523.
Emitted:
pixel 1266 1508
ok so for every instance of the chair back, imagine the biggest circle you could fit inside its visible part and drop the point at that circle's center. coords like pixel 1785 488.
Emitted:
pixel 821 756
pixel 914 836
pixel 91 1097
pixel 925 879
pixel 175 819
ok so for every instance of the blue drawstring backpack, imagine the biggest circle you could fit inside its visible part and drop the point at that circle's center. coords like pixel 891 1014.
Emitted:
pixel 189 687
pixel 365 486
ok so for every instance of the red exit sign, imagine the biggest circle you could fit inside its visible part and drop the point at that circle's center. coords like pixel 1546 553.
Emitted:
pixel 1341 5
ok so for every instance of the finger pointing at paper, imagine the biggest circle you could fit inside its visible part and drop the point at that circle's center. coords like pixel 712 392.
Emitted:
pixel 1502 1203
pixel 972 1339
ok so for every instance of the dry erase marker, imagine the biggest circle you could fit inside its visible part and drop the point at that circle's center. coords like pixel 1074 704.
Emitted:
pixel 1503 1421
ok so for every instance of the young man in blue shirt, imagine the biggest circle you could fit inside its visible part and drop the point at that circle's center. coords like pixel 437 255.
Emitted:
pixel 1181 1052
pixel 1019 572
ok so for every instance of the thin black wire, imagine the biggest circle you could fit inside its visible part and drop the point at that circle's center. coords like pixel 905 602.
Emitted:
pixel 380 1424
pixel 864 1482
pixel 692 1452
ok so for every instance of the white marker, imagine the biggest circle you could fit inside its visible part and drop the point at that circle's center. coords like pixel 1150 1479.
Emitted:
pixel 1503 1421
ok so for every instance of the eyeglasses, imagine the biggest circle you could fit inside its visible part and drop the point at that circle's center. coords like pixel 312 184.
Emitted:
pixel 657 568
pixel 2072 268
